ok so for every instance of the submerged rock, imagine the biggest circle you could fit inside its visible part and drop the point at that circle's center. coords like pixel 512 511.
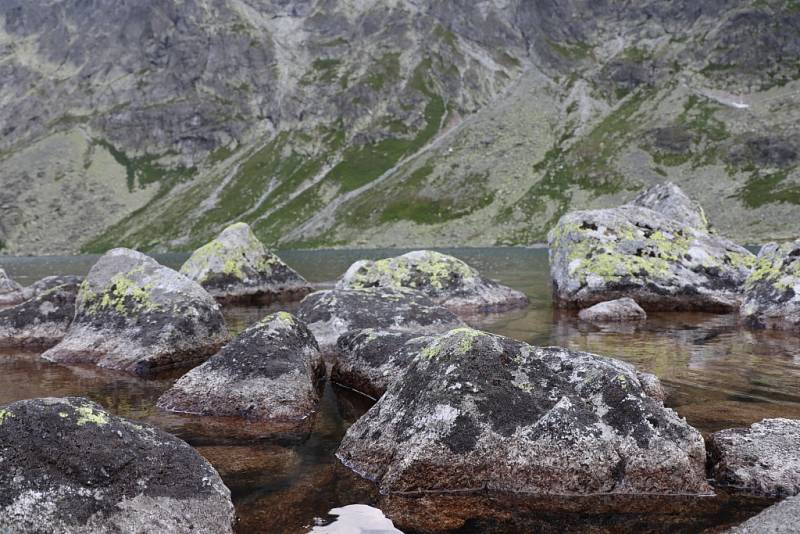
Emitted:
pixel 268 372
pixel 41 321
pixel 624 309
pixel 49 282
pixel 236 266
pixel 10 291
pixel 67 465
pixel 475 410
pixel 369 360
pixel 781 518
pixel 772 291
pixel 633 251
pixel 331 313
pixel 135 315
pixel 761 460
pixel 669 200
pixel 446 280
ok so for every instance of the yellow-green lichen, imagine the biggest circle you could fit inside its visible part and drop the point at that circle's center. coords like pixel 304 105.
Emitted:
pixel 5 414
pixel 125 295
pixel 234 258
pixel 88 415
pixel 433 269
pixel 459 340
pixel 63 415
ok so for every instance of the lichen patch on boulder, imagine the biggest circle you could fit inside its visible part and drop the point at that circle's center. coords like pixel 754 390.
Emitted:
pixel 772 291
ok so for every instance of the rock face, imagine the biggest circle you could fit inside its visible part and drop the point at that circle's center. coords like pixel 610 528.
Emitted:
pixel 10 291
pixel 331 313
pixel 636 252
pixel 135 315
pixel 66 465
pixel 369 360
pixel 475 410
pixel 761 460
pixel 624 309
pixel 781 518
pixel 772 291
pixel 237 267
pixel 269 372
pixel 669 200
pixel 446 280
pixel 41 321
pixel 49 282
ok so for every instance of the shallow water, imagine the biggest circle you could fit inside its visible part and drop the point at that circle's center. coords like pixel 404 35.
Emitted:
pixel 717 376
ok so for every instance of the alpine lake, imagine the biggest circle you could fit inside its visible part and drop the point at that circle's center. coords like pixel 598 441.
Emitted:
pixel 717 375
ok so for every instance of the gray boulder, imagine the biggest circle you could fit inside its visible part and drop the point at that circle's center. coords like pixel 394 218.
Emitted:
pixel 624 309
pixel 331 313
pixel 369 360
pixel 68 466
pixel 772 291
pixel 135 315
pixel 41 321
pixel 49 282
pixel 633 251
pixel 446 280
pixel 237 267
pixel 268 372
pixel 669 200
pixel 10 291
pixel 475 410
pixel 781 518
pixel 761 460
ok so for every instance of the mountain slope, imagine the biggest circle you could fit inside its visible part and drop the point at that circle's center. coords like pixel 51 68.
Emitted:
pixel 398 122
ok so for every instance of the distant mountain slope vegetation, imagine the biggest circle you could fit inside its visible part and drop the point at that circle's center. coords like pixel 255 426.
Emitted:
pixel 156 123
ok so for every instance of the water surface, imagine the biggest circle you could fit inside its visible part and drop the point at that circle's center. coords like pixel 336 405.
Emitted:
pixel 717 376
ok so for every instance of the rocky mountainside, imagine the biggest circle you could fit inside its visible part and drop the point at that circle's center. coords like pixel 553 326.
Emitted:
pixel 154 124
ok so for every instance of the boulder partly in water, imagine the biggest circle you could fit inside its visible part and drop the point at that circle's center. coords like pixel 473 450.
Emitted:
pixel 620 310
pixel 135 315
pixel 331 313
pixel 475 410
pixel 445 279
pixel 237 267
pixel 781 518
pixel 67 465
pixel 271 371
pixel 41 321
pixel 772 291
pixel 10 291
pixel 49 282
pixel 632 251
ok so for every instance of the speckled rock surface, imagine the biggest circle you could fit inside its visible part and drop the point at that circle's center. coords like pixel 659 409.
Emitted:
pixel 331 313
pixel 270 371
pixel 369 360
pixel 446 280
pixel 781 518
pixel 49 282
pixel 669 200
pixel 633 251
pixel 41 321
pixel 135 315
pixel 68 466
pixel 10 291
pixel 237 267
pixel 624 309
pixel 772 291
pixel 475 410
pixel 761 460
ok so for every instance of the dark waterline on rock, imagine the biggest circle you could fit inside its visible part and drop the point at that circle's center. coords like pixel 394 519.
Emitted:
pixel 717 376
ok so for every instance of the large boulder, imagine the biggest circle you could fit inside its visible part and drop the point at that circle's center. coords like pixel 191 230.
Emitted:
pixel 68 466
pixel 624 309
pixel 772 291
pixel 331 313
pixel 761 460
pixel 637 252
pixel 669 200
pixel 369 360
pixel 135 315
pixel 10 291
pixel 446 280
pixel 42 321
pixel 49 282
pixel 475 410
pixel 268 372
pixel 781 518
pixel 237 267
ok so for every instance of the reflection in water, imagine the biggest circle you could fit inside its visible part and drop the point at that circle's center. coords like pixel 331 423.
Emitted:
pixel 356 519
pixel 717 375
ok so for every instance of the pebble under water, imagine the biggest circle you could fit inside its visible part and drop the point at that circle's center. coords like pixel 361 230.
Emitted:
pixel 717 376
